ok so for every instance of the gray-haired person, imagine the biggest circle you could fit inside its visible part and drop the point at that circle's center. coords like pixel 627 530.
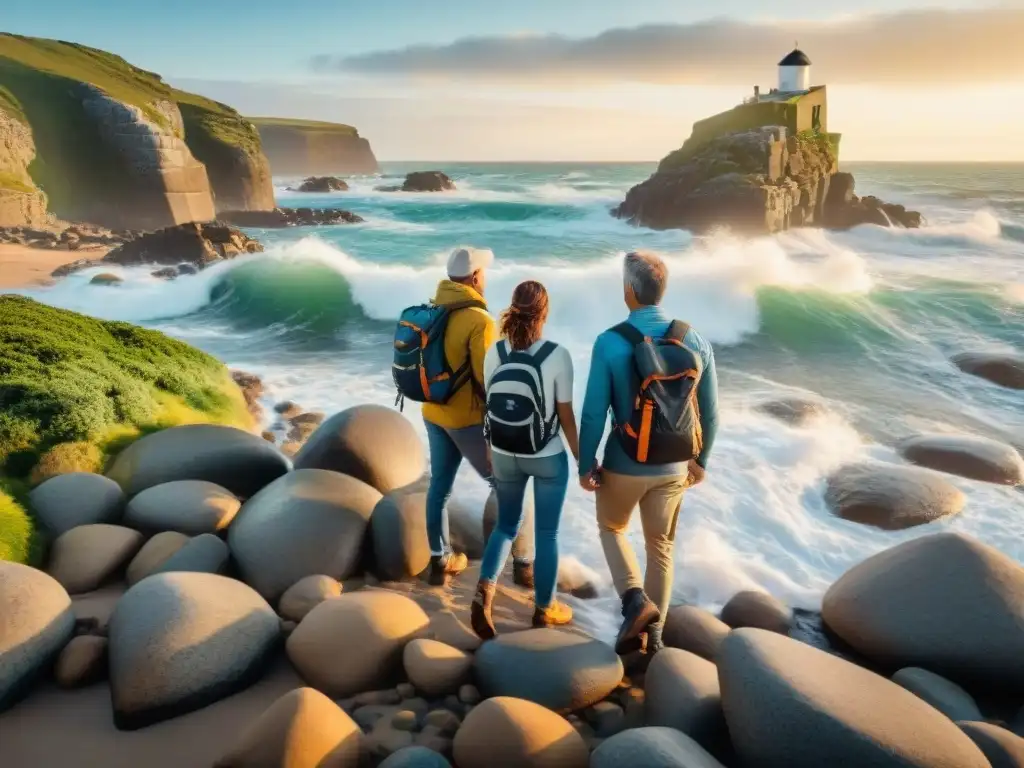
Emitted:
pixel 658 446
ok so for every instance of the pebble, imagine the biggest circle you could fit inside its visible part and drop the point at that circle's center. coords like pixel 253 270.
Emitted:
pixel 405 720
pixel 406 690
pixel 468 694
pixel 606 718
pixel 447 723
pixel 386 696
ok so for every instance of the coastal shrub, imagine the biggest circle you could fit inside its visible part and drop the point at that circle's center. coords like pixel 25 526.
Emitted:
pixel 65 458
pixel 18 538
pixel 68 378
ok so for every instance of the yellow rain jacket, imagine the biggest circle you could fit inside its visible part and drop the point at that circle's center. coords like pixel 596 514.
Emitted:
pixel 470 332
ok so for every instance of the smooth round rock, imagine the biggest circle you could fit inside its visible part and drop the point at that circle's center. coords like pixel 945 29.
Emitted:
pixel 192 507
pixel 239 461
pixel 683 693
pixel 415 757
pixel 1002 748
pixel 652 747
pixel 560 670
pixel 205 553
pixel 36 621
pixel 436 669
pixel 789 705
pixel 505 732
pixel 180 641
pixel 309 522
pixel 1007 370
pixel 757 610
pixel 795 411
pixel 695 630
pixel 946 603
pixel 86 556
pixel 947 697
pixel 977 458
pixel 354 643
pixel 82 662
pixel 153 553
pixel 891 497
pixel 77 498
pixel 399 529
pixel 372 443
pixel 302 729
pixel 306 594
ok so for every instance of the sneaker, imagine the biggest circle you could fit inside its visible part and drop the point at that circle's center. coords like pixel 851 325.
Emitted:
pixel 555 615
pixel 480 611
pixel 522 573
pixel 444 566
pixel 638 614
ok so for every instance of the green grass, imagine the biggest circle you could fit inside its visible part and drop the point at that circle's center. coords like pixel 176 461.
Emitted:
pixel 305 125
pixel 10 105
pixel 18 539
pixel 209 122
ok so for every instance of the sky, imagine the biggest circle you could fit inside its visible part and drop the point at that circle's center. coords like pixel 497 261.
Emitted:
pixel 600 80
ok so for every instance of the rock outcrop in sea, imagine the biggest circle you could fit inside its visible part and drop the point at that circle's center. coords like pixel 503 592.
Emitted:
pixel 756 181
pixel 310 147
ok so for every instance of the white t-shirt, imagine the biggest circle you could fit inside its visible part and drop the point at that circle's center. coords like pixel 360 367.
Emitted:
pixel 556 371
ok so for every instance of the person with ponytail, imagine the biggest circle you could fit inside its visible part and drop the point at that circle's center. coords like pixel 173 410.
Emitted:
pixel 529 421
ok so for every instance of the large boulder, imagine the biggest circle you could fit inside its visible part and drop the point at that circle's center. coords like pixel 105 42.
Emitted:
pixel 1007 370
pixel 180 641
pixel 78 498
pixel 309 522
pixel 82 662
pixel 399 529
pixel 322 184
pixel 192 507
pixel 241 462
pixel 416 757
pixel 302 729
pixel 36 620
pixel 505 732
pixel 354 643
pixel 369 442
pixel 278 218
pixel 795 411
pixel 153 553
pixel 193 243
pixel 1002 748
pixel 205 553
pixel 683 693
pixel 306 594
pixel 758 610
pixel 427 181
pixel 87 556
pixel 436 669
pixel 975 457
pixel 789 705
pixel 891 497
pixel 947 697
pixel 560 670
pixel 654 747
pixel 945 602
pixel 695 630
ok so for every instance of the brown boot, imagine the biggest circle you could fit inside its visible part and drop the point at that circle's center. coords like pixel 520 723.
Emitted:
pixel 522 574
pixel 480 611
pixel 444 566
pixel 555 615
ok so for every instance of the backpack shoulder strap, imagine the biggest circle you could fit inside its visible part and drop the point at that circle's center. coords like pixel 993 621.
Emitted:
pixel 629 332
pixel 467 304
pixel 542 354
pixel 502 346
pixel 677 330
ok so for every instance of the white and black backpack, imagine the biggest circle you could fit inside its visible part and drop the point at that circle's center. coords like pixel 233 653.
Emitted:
pixel 516 417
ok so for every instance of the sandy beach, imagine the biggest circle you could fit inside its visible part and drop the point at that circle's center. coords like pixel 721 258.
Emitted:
pixel 22 265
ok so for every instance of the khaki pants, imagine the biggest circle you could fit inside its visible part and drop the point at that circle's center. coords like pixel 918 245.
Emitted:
pixel 659 499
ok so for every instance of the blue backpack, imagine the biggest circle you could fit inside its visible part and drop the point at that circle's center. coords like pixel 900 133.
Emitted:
pixel 421 370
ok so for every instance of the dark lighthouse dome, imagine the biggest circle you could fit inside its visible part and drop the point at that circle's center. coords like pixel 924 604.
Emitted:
pixel 796 58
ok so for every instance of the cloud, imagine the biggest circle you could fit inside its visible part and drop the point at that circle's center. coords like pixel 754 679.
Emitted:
pixel 926 46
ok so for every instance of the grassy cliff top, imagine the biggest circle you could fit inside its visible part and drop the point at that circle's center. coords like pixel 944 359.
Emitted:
pixel 217 122
pixel 304 125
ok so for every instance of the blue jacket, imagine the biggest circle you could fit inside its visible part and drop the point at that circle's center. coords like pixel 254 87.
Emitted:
pixel 610 385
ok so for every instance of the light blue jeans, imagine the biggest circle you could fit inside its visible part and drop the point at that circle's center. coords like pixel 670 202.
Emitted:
pixel 550 481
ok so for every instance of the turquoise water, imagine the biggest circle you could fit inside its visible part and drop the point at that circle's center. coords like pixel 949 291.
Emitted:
pixel 866 319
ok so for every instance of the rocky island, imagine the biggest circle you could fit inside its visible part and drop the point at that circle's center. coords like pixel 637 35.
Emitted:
pixel 310 147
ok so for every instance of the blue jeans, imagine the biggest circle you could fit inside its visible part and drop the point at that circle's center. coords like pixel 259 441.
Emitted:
pixel 550 481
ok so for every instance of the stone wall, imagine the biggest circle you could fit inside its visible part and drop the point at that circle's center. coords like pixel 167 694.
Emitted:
pixel 305 151
pixel 21 203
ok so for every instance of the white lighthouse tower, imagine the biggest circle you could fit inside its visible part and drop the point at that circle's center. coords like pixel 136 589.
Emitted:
pixel 795 72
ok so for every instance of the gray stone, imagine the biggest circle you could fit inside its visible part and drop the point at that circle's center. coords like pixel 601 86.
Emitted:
pixel 891 497
pixel 445 721
pixel 399 529
pixel 306 594
pixel 683 693
pixel 229 632
pixel 85 557
pixel 695 630
pixel 946 603
pixel 36 620
pixel 369 442
pixel 652 748
pixel 789 705
pixel 415 757
pixel 468 694
pixel 606 718
pixel 239 461
pixel 203 554
pixel 310 522
pixel 975 457
pixel 1002 748
pixel 77 498
pixel 794 410
pixel 82 662
pixel 1007 370
pixel 192 507
pixel 153 553
pixel 947 697
pixel 559 670
pixel 434 668
pixel 758 610
pixel 405 720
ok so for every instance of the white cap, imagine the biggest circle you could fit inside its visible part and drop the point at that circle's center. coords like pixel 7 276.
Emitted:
pixel 465 261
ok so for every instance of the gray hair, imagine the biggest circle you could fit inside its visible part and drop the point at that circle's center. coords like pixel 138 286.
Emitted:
pixel 647 275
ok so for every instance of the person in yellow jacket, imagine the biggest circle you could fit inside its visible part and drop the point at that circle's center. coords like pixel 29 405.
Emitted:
pixel 455 429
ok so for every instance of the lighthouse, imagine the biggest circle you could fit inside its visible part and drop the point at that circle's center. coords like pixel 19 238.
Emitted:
pixel 795 72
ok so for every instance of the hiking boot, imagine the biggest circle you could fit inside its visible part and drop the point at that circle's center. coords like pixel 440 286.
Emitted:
pixel 638 614
pixel 522 573
pixel 480 611
pixel 555 615
pixel 444 566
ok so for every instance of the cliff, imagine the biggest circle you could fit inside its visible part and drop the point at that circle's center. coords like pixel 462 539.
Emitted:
pixel 21 202
pixel 308 147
